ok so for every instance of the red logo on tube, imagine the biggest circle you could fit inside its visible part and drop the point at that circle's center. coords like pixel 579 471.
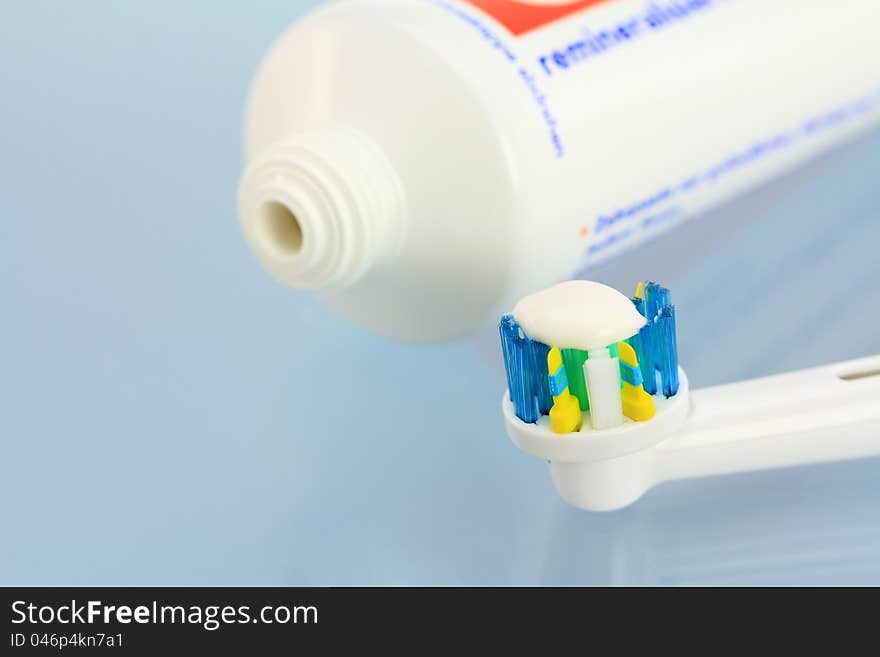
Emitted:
pixel 522 16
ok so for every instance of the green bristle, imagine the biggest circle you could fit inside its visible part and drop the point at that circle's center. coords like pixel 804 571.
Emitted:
pixel 574 360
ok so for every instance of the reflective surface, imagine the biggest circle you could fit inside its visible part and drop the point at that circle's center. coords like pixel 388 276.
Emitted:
pixel 170 415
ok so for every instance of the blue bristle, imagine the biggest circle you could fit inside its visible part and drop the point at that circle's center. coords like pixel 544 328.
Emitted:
pixel 508 330
pixel 659 349
pixel 518 362
pixel 641 344
pixel 526 404
pixel 668 351
pixel 656 297
pixel 540 377
pixel 645 352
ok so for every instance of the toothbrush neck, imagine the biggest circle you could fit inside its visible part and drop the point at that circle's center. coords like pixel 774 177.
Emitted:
pixel 803 417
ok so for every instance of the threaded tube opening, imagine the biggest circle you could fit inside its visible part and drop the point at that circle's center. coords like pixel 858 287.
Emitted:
pixel 280 229
pixel 322 209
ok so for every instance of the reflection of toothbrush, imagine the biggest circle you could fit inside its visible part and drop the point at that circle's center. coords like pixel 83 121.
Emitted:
pixel 823 414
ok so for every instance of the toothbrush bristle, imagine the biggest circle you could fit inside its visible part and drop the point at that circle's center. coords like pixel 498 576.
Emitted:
pixel 574 360
pixel 656 344
pixel 651 351
pixel 538 365
pixel 507 329
pixel 668 356
pixel 527 383
pixel 656 297
pixel 646 350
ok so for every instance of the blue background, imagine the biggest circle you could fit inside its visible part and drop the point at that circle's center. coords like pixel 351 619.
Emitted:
pixel 170 415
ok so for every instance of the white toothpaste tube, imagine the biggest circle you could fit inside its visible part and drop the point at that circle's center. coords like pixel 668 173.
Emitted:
pixel 422 163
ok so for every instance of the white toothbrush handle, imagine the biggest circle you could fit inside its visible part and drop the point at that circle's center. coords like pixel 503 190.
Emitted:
pixel 824 414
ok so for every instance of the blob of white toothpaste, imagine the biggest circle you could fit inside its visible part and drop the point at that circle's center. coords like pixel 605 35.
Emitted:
pixel 578 315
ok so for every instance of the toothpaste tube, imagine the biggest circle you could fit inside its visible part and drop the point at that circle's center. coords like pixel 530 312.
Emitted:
pixel 422 163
